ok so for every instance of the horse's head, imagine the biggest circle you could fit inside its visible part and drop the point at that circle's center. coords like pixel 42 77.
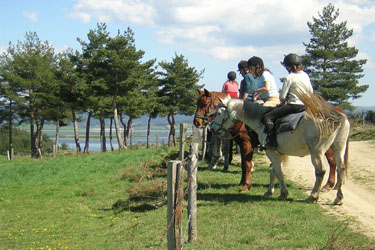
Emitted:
pixel 206 108
pixel 223 121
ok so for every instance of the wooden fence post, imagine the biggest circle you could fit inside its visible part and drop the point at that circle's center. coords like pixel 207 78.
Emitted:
pixel 204 143
pixel 175 200
pixel 183 128
pixel 157 140
pixel 192 194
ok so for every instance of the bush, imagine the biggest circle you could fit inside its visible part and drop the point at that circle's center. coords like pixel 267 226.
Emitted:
pixel 21 141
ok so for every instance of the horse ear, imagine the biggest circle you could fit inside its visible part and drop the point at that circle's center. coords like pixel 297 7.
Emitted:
pixel 200 92
pixel 207 93
pixel 224 100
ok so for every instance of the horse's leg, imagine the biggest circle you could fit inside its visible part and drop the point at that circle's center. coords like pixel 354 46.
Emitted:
pixel 230 151
pixel 271 186
pixel 317 161
pixel 214 152
pixel 332 171
pixel 246 164
pixel 341 151
pixel 277 161
pixel 226 154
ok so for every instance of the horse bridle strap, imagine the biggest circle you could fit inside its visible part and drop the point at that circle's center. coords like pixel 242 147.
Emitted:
pixel 204 117
pixel 230 117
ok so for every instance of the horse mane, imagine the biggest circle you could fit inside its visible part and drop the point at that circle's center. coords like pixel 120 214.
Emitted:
pixel 324 115
pixel 254 110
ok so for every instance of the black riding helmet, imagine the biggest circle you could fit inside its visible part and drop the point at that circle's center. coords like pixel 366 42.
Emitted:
pixel 232 75
pixel 242 65
pixel 292 59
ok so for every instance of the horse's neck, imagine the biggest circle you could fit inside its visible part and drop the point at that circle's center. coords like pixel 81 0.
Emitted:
pixel 238 113
pixel 215 97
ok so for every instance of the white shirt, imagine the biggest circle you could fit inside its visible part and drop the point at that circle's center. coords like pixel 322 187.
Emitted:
pixel 295 82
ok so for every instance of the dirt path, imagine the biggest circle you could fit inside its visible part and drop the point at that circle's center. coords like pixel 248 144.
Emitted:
pixel 359 188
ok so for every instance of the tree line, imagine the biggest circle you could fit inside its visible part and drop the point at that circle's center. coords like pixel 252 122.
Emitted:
pixel 106 79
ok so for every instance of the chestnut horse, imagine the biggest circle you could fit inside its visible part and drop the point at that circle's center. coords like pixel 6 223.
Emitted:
pixel 206 108
pixel 206 111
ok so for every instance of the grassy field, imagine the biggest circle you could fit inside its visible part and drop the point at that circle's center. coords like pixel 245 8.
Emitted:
pixel 117 200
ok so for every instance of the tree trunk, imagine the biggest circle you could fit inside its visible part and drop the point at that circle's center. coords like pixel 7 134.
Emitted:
pixel 34 151
pixel 125 132
pixel 87 140
pixel 10 132
pixel 76 137
pixel 148 131
pixel 117 125
pixel 103 145
pixel 40 137
pixel 110 134
pixel 130 131
pixel 172 131
pixel 57 137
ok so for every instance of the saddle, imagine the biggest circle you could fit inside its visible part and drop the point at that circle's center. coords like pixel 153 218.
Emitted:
pixel 289 122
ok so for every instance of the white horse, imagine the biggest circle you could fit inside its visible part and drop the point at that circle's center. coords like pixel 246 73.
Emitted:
pixel 321 127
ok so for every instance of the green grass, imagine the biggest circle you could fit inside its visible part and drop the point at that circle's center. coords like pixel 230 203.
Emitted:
pixel 362 133
pixel 117 200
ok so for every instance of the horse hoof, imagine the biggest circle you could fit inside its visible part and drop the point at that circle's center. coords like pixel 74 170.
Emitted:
pixel 268 193
pixel 282 197
pixel 311 199
pixel 338 202
pixel 244 189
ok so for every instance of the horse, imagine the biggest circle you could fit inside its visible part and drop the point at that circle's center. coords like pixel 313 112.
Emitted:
pixel 321 128
pixel 205 112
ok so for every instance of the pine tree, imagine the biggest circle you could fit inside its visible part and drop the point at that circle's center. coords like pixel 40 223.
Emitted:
pixel 330 61
pixel 178 90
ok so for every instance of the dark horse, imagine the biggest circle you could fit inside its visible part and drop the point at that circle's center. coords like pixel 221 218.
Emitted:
pixel 206 111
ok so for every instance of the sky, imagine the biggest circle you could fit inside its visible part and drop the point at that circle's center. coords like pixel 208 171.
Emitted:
pixel 213 35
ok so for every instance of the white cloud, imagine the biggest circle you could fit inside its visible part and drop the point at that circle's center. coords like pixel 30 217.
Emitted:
pixel 228 29
pixel 135 11
pixel 33 16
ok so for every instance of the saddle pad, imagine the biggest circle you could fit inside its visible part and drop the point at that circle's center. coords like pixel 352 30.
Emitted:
pixel 289 122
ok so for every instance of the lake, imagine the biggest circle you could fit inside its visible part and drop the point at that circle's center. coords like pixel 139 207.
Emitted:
pixel 139 137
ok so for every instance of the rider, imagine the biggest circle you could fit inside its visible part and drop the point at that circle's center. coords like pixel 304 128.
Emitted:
pixel 266 89
pixel 230 87
pixel 249 83
pixel 296 81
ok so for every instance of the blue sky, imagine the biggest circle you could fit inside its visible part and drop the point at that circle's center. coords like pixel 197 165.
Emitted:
pixel 213 35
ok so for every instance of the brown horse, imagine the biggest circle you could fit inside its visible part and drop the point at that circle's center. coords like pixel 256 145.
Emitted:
pixel 206 111
pixel 206 108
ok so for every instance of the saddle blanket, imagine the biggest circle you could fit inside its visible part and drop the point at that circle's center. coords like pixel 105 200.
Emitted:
pixel 289 122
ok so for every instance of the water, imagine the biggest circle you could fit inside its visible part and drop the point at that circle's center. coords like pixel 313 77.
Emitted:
pixel 139 137
pixel 94 144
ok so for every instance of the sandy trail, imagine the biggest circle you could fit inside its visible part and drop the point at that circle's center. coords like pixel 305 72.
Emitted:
pixel 358 190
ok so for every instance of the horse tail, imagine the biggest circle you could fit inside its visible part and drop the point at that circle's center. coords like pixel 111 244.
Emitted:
pixel 326 118
pixel 346 157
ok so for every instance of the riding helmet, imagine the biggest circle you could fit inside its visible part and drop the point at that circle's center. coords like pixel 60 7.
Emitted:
pixel 292 59
pixel 232 75
pixel 242 65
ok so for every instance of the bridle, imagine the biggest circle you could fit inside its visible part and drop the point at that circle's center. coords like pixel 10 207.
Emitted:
pixel 228 117
pixel 207 112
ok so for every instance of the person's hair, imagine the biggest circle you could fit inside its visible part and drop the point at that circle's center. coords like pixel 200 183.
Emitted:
pixel 297 68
